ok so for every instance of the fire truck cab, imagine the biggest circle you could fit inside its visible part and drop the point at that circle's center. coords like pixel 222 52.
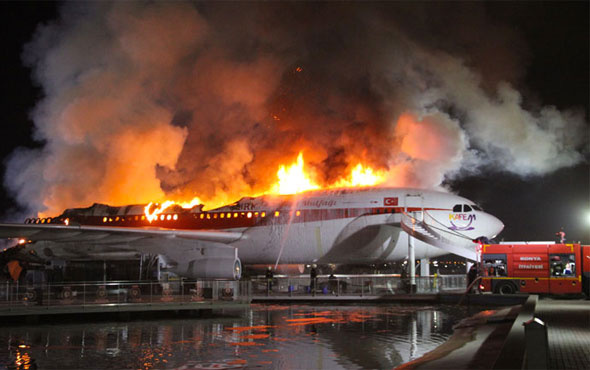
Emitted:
pixel 535 268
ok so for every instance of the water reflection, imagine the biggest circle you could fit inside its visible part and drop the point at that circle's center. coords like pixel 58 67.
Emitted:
pixel 267 336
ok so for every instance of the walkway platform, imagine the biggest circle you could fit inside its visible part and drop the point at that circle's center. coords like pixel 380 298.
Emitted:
pixel 120 297
pixel 568 332
pixel 11 312
pixel 441 298
pixel 498 339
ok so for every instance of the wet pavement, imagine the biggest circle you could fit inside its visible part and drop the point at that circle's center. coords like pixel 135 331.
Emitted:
pixel 568 332
pixel 265 336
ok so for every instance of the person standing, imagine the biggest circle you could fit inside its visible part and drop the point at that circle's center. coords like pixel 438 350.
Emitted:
pixel 560 236
pixel 471 276
pixel 333 283
pixel 313 274
pixel 269 277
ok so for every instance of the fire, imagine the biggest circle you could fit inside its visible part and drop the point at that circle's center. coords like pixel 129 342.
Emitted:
pixel 361 176
pixel 292 179
pixel 152 210
pixel 152 214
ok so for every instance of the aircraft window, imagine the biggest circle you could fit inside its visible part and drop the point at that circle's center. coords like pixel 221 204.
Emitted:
pixel 222 215
pixel 42 220
pixel 298 213
pixel 249 214
pixel 277 213
pixel 458 208
pixel 215 215
pixel 117 218
pixel 466 208
pixel 229 215
pixel 143 218
pixel 104 219
pixel 162 217
pixel 202 215
pixel 175 217
pixel 208 216
pixel 235 215
pixel 255 214
pixel 49 220
pixel 169 217
pixel 263 214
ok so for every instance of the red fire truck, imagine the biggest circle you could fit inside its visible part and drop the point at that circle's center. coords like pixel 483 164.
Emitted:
pixel 535 268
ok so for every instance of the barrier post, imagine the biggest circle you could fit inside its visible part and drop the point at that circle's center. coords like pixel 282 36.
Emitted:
pixel 536 346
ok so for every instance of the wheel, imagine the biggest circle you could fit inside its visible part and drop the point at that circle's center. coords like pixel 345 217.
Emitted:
pixel 505 288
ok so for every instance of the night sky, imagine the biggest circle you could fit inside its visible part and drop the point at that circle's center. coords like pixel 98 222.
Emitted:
pixel 555 65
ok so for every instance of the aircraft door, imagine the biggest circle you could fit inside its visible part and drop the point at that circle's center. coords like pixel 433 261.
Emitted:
pixel 414 203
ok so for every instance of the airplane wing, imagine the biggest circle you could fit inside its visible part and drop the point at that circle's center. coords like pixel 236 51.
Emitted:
pixel 190 253
pixel 108 234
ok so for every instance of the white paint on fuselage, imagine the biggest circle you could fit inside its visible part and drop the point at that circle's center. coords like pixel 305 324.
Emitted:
pixel 363 239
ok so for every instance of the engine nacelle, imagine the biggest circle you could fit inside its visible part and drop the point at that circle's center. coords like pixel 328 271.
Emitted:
pixel 210 268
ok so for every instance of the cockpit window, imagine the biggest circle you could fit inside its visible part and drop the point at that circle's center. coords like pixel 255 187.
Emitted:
pixel 466 208
pixel 458 208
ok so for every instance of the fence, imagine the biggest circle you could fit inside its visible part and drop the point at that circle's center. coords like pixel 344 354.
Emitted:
pixel 356 285
pixel 13 294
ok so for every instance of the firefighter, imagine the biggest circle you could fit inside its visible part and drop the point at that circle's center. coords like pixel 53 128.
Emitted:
pixel 560 236
pixel 269 277
pixel 471 276
pixel 313 274
pixel 333 282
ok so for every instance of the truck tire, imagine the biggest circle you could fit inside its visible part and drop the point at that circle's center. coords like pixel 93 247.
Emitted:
pixel 505 288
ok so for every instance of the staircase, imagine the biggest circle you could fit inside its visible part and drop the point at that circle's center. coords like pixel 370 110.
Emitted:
pixel 420 225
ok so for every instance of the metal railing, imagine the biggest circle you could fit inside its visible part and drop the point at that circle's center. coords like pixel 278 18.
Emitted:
pixel 15 294
pixel 356 286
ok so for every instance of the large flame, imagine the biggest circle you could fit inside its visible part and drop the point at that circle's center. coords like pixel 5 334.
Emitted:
pixel 291 179
pixel 152 210
pixel 361 176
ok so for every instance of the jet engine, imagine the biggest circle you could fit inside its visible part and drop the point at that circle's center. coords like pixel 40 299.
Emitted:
pixel 210 268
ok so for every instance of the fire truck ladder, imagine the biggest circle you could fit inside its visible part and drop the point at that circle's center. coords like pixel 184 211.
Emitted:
pixel 420 225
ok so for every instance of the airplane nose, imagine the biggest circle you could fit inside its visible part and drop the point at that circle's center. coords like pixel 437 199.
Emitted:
pixel 496 226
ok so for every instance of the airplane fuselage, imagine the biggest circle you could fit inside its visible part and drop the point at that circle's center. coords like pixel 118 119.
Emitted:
pixel 333 226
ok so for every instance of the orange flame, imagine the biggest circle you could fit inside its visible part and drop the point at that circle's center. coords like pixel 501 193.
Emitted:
pixel 361 176
pixel 292 179
pixel 151 212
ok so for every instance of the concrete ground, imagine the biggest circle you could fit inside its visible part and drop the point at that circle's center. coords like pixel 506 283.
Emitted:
pixel 568 332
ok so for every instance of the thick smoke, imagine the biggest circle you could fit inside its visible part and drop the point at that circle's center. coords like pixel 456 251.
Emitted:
pixel 146 101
